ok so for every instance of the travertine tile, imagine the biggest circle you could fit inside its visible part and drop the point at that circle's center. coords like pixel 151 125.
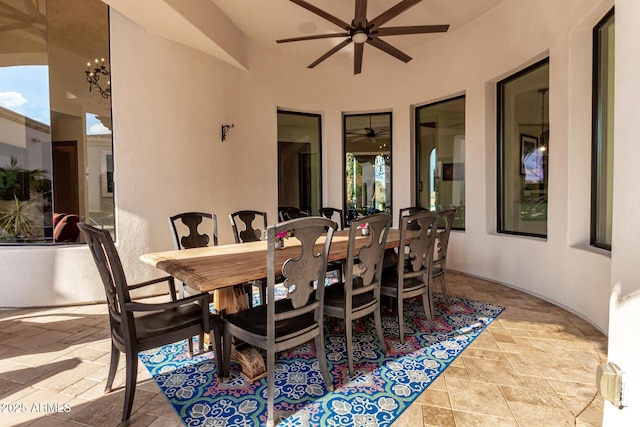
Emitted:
pixel 437 416
pixel 542 416
pixel 532 397
pixel 480 398
pixel 491 371
pixel 470 419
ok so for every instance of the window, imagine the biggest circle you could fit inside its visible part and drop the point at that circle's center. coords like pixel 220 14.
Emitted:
pixel 523 151
pixel 299 161
pixel 602 145
pixel 440 140
pixel 54 130
pixel 367 148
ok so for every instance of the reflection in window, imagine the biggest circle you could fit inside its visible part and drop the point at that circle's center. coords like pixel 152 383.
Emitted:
pixel 299 167
pixel 523 151
pixel 440 147
pixel 602 157
pixel 367 139
pixel 47 159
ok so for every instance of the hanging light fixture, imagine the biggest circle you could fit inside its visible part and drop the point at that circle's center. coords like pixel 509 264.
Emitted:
pixel 544 135
pixel 94 75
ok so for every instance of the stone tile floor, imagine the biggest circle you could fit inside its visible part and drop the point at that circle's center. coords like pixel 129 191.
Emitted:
pixel 534 366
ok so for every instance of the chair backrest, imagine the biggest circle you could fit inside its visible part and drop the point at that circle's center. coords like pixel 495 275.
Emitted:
pixel 408 211
pixel 440 255
pixel 303 270
pixel 420 230
pixel 286 214
pixel 244 228
pixel 192 237
pixel 370 257
pixel 333 214
pixel 107 260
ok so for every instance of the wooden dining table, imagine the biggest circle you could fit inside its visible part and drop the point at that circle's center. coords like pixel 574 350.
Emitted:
pixel 220 269
pixel 217 267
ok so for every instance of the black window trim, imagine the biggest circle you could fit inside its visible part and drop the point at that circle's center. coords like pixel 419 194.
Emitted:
pixel 597 45
pixel 500 146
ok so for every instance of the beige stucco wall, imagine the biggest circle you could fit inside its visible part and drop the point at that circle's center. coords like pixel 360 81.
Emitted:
pixel 625 293
pixel 169 102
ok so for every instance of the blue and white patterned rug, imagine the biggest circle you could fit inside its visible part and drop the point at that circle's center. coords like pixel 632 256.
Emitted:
pixel 383 386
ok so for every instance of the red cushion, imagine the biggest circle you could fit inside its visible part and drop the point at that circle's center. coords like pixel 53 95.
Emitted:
pixel 66 228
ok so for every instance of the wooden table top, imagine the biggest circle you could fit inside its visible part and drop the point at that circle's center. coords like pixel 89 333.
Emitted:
pixel 216 267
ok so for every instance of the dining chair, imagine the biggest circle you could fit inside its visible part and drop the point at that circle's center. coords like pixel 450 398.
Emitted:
pixel 439 270
pixel 193 236
pixel 294 320
pixel 408 211
pixel 246 225
pixel 333 214
pixel 290 213
pixel 193 230
pixel 139 326
pixel 187 233
pixel 412 276
pixel 359 294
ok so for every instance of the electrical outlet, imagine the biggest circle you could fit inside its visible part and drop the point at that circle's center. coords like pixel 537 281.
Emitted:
pixel 610 383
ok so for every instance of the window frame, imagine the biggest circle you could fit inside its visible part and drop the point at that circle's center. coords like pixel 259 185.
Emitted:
pixel 500 133
pixel 416 162
pixel 344 156
pixel 596 136
pixel 318 117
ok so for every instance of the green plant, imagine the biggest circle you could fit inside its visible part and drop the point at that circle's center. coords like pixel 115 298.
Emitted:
pixel 15 220
pixel 18 182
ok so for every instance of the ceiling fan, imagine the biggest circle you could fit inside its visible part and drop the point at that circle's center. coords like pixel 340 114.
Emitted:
pixel 361 31
pixel 368 132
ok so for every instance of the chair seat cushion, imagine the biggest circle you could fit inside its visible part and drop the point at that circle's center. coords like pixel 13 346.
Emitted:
pixel 334 296
pixel 254 320
pixel 160 324
pixel 436 271
pixel 391 282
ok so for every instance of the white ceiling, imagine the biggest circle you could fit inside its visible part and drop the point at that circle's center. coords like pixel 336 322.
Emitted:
pixel 265 21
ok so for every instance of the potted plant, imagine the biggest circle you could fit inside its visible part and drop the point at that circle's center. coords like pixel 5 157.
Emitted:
pixel 22 195
pixel 279 240
pixel 15 221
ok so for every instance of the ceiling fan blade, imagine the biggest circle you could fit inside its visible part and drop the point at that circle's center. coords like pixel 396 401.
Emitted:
pixel 34 13
pixel 328 54
pixel 386 47
pixel 391 13
pixel 360 19
pixel 12 10
pixel 314 37
pixel 412 29
pixel 357 58
pixel 311 8
pixel 15 26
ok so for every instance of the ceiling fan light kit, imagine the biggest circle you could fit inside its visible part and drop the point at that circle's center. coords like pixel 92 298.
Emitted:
pixel 362 31
pixel 359 36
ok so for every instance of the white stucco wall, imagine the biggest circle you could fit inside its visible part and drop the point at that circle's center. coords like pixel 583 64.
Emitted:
pixel 169 102
pixel 624 349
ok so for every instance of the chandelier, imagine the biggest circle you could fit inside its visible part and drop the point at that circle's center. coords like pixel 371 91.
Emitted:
pixel 94 75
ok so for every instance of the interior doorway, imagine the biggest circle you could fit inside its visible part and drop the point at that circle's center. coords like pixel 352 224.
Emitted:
pixel 65 177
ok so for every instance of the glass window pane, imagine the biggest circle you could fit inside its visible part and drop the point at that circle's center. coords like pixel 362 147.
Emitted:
pixel 45 100
pixel 602 168
pixel 523 149
pixel 440 157
pixel 299 161
pixel 25 133
pixel 367 147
